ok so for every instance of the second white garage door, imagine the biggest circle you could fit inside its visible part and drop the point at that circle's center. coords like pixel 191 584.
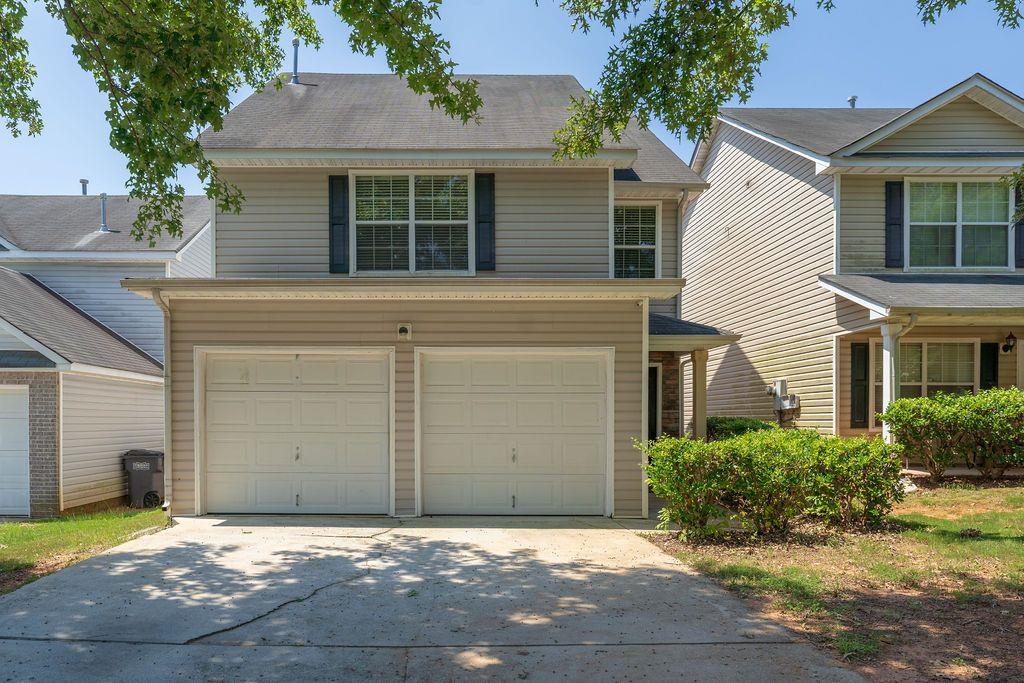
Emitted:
pixel 297 433
pixel 521 432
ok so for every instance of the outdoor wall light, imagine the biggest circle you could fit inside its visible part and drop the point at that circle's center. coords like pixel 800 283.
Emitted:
pixel 1009 343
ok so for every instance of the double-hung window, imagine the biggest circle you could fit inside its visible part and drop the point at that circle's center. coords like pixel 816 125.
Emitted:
pixel 959 224
pixel 412 222
pixel 930 367
pixel 635 236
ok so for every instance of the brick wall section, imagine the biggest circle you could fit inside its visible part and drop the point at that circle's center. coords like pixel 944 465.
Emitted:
pixel 669 390
pixel 43 436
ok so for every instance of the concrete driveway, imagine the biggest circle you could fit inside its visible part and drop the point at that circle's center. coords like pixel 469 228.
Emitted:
pixel 242 598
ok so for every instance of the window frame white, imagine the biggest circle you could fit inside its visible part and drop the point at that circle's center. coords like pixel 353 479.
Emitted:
pixel 353 269
pixel 874 342
pixel 959 225
pixel 657 204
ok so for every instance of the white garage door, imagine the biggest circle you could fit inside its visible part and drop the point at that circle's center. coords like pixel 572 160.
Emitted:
pixel 513 433
pixel 298 433
pixel 14 451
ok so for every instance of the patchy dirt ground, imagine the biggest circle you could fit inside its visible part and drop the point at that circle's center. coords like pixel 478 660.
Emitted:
pixel 939 595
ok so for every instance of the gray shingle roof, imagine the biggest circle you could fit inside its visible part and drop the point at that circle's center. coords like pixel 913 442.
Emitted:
pixel 936 291
pixel 379 112
pixel 59 325
pixel 659 324
pixel 820 130
pixel 69 223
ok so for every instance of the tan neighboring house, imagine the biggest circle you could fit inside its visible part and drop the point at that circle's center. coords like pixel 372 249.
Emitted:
pixel 80 374
pixel 864 254
pixel 411 316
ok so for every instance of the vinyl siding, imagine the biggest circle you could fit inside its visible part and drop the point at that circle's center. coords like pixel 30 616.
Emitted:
pixel 548 223
pixel 101 419
pixel 96 289
pixel 464 323
pixel 753 247
pixel 862 222
pixel 961 125
pixel 8 342
pixel 195 257
pixel 1007 362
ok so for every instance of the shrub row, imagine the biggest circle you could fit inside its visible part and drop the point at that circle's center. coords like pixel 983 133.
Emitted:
pixel 764 479
pixel 983 430
pixel 725 427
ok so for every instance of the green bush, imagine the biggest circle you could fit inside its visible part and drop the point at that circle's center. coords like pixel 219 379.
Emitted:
pixel 763 480
pixel 769 477
pixel 983 430
pixel 855 481
pixel 690 476
pixel 725 427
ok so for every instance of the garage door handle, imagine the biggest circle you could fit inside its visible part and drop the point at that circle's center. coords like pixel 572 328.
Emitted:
pixel 513 454
pixel 298 450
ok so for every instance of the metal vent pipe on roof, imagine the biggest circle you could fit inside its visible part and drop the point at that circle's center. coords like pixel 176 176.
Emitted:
pixel 852 101
pixel 85 186
pixel 295 61
pixel 103 213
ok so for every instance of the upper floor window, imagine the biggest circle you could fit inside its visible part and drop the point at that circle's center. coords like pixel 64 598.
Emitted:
pixel 411 222
pixel 963 224
pixel 636 241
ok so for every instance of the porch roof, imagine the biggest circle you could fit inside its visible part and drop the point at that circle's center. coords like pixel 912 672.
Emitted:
pixel 672 334
pixel 887 294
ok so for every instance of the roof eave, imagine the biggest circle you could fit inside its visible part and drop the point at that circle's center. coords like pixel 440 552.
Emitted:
pixel 405 288
pixel 689 342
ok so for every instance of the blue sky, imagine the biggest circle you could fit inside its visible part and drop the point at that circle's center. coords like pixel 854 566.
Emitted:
pixel 876 49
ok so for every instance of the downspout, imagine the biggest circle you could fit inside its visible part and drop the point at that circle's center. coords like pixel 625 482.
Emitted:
pixel 908 327
pixel 165 309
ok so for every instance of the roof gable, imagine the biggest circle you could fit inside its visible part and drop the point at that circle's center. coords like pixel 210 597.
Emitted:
pixel 962 125
pixel 965 97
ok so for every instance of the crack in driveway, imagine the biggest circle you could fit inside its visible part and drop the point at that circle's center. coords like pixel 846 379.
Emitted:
pixel 303 598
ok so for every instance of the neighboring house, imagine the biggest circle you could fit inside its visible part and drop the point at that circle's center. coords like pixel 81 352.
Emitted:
pixel 57 239
pixel 80 374
pixel 413 316
pixel 864 254
pixel 73 396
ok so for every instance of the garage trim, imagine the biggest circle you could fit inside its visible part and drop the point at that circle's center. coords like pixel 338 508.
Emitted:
pixel 608 353
pixel 200 356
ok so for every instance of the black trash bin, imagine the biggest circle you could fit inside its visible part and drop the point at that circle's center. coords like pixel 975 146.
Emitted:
pixel 145 478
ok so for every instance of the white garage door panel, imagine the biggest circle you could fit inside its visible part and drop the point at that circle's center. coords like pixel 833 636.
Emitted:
pixel 455 453
pixel 515 433
pixel 306 372
pixel 297 493
pixel 319 412
pixel 14 486
pixel 482 494
pixel 297 433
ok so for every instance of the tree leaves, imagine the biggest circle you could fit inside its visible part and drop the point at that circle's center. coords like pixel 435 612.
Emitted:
pixel 168 68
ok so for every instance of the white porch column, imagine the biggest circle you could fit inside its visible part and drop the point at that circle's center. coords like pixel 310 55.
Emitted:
pixel 699 359
pixel 891 333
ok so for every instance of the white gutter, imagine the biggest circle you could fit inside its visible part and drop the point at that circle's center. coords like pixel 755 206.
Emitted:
pixel 19 255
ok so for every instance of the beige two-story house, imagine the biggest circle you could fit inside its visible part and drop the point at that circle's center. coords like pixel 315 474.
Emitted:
pixel 864 254
pixel 413 316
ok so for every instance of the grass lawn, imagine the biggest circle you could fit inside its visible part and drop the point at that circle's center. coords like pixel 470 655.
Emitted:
pixel 33 548
pixel 939 594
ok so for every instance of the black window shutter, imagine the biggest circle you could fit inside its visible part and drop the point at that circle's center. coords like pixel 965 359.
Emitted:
pixel 989 365
pixel 859 384
pixel 484 191
pixel 894 224
pixel 337 199
pixel 1018 232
